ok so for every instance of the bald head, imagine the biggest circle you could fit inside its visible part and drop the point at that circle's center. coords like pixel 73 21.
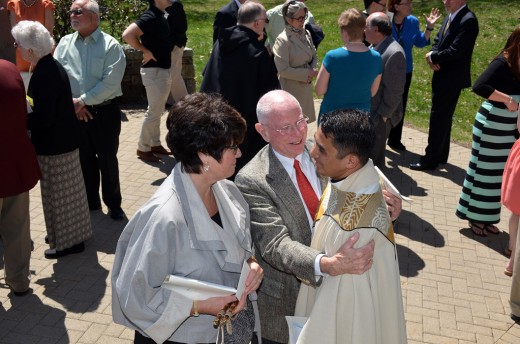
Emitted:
pixel 281 123
pixel 273 103
pixel 377 28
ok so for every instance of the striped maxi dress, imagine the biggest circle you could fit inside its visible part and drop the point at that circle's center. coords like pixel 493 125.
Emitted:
pixel 494 134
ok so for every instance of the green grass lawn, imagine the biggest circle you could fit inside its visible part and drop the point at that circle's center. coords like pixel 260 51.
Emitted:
pixel 497 19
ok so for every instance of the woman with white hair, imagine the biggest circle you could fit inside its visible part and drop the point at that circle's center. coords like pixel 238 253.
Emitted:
pixel 54 134
pixel 295 56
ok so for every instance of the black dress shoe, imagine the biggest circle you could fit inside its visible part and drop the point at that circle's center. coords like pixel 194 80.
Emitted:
pixel 117 214
pixel 54 254
pixel 422 167
pixel 21 293
pixel 396 145
pixel 515 318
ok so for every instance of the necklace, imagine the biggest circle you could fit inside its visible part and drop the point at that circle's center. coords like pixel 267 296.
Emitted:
pixel 26 5
pixel 354 43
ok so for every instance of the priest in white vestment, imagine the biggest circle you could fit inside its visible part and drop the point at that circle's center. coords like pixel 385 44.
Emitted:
pixel 367 308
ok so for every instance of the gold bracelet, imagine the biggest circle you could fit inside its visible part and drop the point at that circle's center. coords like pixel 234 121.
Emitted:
pixel 195 308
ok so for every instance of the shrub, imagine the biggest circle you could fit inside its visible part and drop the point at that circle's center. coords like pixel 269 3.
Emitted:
pixel 115 15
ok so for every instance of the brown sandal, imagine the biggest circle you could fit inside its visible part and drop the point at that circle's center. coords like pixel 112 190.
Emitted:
pixel 478 229
pixel 508 273
pixel 492 229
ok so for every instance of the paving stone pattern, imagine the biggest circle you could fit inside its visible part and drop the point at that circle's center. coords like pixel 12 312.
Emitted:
pixel 454 288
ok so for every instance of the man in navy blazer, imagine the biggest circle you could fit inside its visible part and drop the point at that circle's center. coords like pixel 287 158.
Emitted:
pixel 450 60
pixel 226 17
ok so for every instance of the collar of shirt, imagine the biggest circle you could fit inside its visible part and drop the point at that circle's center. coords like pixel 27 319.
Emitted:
pixel 376 47
pixel 94 35
pixel 238 3
pixel 307 168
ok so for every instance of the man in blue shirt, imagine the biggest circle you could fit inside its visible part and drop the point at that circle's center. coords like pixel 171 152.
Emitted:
pixel 95 63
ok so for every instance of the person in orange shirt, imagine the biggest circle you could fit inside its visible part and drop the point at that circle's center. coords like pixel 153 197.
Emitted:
pixel 35 10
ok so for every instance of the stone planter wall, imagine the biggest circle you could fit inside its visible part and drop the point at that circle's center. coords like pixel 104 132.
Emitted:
pixel 132 86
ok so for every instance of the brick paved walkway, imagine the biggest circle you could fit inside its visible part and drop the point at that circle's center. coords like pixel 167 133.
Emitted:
pixel 454 289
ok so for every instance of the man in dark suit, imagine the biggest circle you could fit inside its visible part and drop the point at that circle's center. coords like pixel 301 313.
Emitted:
pixel 241 70
pixel 282 219
pixel 450 60
pixel 386 108
pixel 226 17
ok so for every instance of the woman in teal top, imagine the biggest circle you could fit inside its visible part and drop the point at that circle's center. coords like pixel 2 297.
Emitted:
pixel 350 75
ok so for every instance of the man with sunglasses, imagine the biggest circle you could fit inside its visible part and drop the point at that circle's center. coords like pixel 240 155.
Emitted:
pixel 283 190
pixel 241 70
pixel 95 63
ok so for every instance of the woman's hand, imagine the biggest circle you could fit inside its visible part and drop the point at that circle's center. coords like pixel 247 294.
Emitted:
pixel 435 14
pixel 255 276
pixel 511 105
pixel 313 72
pixel 213 305
pixel 147 56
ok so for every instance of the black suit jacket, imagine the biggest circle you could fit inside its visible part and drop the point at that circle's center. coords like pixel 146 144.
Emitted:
pixel 453 50
pixel 225 17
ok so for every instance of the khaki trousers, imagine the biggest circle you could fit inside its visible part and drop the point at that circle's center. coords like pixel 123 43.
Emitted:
pixel 15 232
pixel 178 89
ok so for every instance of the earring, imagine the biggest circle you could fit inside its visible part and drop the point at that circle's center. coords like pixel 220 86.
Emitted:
pixel 206 166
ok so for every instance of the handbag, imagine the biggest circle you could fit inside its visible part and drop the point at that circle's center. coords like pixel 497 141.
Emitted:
pixel 235 328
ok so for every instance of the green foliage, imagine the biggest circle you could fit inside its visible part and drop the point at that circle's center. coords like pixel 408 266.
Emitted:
pixel 496 18
pixel 116 15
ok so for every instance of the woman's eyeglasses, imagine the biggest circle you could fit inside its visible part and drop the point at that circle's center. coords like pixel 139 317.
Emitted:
pixel 300 19
pixel 233 148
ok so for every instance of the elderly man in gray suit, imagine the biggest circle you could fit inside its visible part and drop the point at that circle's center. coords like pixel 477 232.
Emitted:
pixel 386 106
pixel 283 189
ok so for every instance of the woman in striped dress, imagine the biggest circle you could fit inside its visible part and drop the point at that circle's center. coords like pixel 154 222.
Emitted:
pixel 494 133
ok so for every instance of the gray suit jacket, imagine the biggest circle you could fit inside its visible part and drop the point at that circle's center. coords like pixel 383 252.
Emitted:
pixel 281 235
pixel 388 101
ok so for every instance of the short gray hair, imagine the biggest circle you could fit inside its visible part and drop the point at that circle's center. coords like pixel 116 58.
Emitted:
pixel 33 35
pixel 248 12
pixel 291 7
pixel 266 104
pixel 92 6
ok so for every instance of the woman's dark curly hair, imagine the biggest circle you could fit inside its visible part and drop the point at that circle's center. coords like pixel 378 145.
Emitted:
pixel 204 123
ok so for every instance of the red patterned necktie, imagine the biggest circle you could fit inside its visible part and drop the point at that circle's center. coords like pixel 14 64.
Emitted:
pixel 308 194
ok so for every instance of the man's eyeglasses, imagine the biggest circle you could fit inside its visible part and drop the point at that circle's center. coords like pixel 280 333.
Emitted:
pixel 381 4
pixel 266 20
pixel 233 148
pixel 405 4
pixel 298 126
pixel 76 12
pixel 300 19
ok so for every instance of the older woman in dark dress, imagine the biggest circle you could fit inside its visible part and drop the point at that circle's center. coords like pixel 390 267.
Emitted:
pixel 54 134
